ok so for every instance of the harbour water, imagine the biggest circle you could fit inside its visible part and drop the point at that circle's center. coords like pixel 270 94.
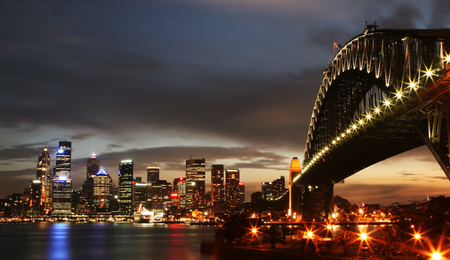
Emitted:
pixel 113 241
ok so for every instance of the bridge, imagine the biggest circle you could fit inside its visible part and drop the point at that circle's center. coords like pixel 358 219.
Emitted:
pixel 385 92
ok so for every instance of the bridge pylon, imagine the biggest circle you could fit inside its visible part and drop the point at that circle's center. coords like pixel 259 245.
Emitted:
pixel 316 202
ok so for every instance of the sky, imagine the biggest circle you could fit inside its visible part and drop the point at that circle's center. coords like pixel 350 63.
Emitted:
pixel 160 82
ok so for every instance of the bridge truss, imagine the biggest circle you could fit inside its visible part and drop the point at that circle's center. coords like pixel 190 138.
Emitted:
pixel 385 92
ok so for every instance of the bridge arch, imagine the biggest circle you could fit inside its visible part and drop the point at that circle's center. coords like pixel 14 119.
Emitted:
pixel 384 92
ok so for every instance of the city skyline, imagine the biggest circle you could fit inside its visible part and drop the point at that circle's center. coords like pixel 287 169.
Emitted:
pixel 229 81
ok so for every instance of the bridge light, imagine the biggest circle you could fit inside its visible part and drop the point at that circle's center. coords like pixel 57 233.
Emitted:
pixel 320 154
pixel 334 142
pixel 447 59
pixel 348 131
pixel 368 116
pixel 387 103
pixel 377 110
pixel 354 127
pixel 326 148
pixel 361 121
pixel 429 73
pixel 342 134
pixel 399 95
pixel 338 138
pixel 412 85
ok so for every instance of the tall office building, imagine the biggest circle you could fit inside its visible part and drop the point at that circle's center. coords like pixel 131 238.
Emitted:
pixel 179 187
pixel 217 192
pixel 126 186
pixel 62 181
pixel 102 190
pixel 241 193
pixel 44 175
pixel 92 168
pixel 232 189
pixel 195 183
pixel 152 174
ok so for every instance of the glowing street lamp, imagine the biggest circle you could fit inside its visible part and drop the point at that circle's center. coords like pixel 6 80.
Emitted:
pixel 436 256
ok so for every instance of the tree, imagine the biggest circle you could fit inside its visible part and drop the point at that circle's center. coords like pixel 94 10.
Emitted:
pixel 345 239
pixel 273 235
pixel 389 240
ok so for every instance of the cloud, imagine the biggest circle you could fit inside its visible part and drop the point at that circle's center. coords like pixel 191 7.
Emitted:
pixel 386 194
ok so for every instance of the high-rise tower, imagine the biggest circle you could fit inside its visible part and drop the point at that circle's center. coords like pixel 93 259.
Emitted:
pixel 217 192
pixel 43 174
pixel 92 168
pixel 101 190
pixel 62 181
pixel 232 189
pixel 152 174
pixel 126 186
pixel 195 183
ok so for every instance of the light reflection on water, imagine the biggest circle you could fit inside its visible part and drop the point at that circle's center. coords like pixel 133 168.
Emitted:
pixel 58 247
pixel 103 241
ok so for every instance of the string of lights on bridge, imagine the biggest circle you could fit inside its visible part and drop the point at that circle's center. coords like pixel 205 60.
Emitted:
pixel 376 113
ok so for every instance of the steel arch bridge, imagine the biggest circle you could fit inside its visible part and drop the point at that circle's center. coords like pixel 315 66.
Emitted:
pixel 385 92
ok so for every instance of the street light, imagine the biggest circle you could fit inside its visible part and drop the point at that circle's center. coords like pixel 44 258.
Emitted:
pixel 436 256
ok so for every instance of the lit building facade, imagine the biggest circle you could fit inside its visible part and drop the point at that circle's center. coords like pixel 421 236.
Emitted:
pixel 160 194
pixel 126 186
pixel 102 189
pixel 241 193
pixel 152 174
pixel 62 181
pixel 232 189
pixel 93 166
pixel 273 190
pixel 44 175
pixel 217 188
pixel 179 187
pixel 195 184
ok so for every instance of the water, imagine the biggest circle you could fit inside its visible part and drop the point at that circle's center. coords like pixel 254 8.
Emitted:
pixel 103 241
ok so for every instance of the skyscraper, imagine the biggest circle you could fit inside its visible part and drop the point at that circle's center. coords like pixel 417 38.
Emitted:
pixel 232 189
pixel 43 174
pixel 179 187
pixel 195 183
pixel 92 168
pixel 62 181
pixel 241 193
pixel 101 190
pixel 152 174
pixel 217 192
pixel 126 186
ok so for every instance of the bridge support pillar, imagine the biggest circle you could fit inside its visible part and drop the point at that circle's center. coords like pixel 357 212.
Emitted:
pixel 317 202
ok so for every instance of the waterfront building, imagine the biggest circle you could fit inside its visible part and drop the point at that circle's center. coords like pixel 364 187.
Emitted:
pixel 217 188
pixel 44 175
pixel 266 189
pixel 274 189
pixel 102 190
pixel 142 195
pixel 232 189
pixel 35 209
pixel 152 174
pixel 160 194
pixel 92 168
pixel 179 187
pixel 241 194
pixel 126 186
pixel 195 184
pixel 62 181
